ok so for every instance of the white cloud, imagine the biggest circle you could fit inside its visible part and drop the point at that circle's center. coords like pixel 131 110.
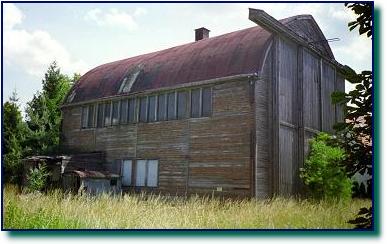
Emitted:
pixel 12 16
pixel 115 18
pixel 33 51
pixel 140 12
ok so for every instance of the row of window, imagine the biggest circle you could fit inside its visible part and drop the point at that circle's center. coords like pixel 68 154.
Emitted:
pixel 140 173
pixel 173 105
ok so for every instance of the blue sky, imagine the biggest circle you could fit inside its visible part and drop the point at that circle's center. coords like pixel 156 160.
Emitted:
pixel 83 35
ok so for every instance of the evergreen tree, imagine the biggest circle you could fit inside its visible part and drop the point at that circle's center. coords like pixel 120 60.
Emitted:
pixel 13 136
pixel 44 114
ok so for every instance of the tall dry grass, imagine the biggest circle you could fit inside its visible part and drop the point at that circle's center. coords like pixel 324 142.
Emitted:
pixel 66 211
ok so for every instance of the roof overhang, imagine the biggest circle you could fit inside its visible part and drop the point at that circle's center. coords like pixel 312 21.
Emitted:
pixel 269 23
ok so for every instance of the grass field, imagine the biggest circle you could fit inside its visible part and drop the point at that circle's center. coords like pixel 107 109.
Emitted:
pixel 57 210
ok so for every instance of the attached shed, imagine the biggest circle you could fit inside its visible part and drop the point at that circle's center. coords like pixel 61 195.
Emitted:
pixel 91 182
pixel 230 115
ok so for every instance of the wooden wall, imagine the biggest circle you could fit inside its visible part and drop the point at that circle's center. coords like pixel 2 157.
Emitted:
pixel 196 155
pixel 303 84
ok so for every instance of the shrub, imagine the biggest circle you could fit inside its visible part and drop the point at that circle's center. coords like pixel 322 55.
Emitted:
pixel 323 172
pixel 37 178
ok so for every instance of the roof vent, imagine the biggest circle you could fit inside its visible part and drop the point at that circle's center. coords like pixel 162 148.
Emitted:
pixel 201 33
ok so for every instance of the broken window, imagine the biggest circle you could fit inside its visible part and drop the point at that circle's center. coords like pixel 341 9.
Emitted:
pixel 162 107
pixel 171 106
pixel 195 103
pixel 152 109
pixel 132 110
pixel 100 116
pixel 107 114
pixel 115 113
pixel 207 102
pixel 124 111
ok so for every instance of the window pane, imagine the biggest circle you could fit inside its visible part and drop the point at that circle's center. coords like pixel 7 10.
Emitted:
pixel 152 108
pixel 115 113
pixel 107 121
pixel 100 115
pixel 195 103
pixel 84 117
pixel 162 107
pixel 171 106
pixel 207 102
pixel 140 172
pixel 152 176
pixel 124 111
pixel 132 111
pixel 90 117
pixel 182 106
pixel 143 109
pixel 126 172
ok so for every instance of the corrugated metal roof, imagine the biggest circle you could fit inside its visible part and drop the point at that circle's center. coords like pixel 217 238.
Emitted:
pixel 93 174
pixel 239 52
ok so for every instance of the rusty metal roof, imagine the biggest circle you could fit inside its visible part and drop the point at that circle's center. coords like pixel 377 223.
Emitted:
pixel 239 52
pixel 234 53
pixel 93 174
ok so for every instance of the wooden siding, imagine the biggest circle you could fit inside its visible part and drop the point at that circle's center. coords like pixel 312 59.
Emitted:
pixel 339 86
pixel 328 78
pixel 288 117
pixel 263 136
pixel 311 89
pixel 196 155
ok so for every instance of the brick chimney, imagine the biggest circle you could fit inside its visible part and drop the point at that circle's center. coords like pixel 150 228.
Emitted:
pixel 201 33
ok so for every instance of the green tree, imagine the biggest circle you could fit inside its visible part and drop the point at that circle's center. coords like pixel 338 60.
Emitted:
pixel 13 136
pixel 356 132
pixel 43 114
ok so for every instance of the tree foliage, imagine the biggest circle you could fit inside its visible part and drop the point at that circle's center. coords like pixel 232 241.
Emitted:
pixel 13 136
pixel 43 113
pixel 323 172
pixel 364 19
pixel 356 131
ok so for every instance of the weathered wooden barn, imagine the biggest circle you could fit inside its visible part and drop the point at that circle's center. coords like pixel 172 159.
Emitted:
pixel 228 115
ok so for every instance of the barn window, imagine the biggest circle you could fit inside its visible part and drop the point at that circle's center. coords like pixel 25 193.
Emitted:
pixel 90 116
pixel 126 172
pixel 143 109
pixel 152 173
pixel 132 110
pixel 195 103
pixel 162 107
pixel 140 172
pixel 147 173
pixel 107 114
pixel 115 113
pixel 171 106
pixel 182 104
pixel 84 117
pixel 152 109
pixel 124 111
pixel 100 115
pixel 207 102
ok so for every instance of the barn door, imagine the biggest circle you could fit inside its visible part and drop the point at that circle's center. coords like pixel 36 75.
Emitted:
pixel 288 117
pixel 126 172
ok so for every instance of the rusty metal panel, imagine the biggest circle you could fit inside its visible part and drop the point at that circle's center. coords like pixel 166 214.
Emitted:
pixel 239 52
